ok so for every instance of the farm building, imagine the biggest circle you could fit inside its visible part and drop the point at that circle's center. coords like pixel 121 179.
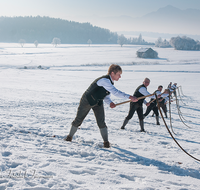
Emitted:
pixel 147 53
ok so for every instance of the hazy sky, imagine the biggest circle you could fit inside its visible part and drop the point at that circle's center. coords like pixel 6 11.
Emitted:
pixel 81 10
pixel 70 8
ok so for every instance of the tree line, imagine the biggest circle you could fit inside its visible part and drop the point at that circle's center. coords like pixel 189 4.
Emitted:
pixel 44 29
pixel 179 43
pixel 134 41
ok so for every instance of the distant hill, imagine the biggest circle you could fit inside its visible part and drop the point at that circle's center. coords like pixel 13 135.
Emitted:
pixel 168 19
pixel 173 19
pixel 44 29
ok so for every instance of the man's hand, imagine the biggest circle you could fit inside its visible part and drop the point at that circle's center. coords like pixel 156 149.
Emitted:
pixel 147 104
pixel 166 91
pixel 159 95
pixel 112 105
pixel 133 98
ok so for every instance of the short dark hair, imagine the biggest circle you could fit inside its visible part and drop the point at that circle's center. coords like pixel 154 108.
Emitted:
pixel 114 68
pixel 160 86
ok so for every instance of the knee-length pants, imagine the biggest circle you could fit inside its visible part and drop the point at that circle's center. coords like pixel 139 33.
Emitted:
pixel 83 110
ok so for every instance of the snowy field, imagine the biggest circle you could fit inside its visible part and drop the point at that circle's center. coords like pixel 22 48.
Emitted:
pixel 40 90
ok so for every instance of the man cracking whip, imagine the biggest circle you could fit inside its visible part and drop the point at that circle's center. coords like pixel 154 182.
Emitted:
pixel 137 106
pixel 173 89
pixel 93 98
pixel 153 104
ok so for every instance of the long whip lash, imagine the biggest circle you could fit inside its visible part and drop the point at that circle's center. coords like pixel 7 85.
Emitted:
pixel 170 115
pixel 180 96
pixel 179 113
pixel 171 133
pixel 178 108
pixel 181 91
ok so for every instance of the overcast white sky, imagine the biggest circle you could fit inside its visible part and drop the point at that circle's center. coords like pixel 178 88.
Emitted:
pixel 70 8
pixel 86 10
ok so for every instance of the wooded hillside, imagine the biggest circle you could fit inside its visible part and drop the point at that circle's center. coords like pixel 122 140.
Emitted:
pixel 44 29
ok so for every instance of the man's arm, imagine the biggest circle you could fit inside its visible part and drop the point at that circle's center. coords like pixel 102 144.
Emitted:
pixel 109 87
pixel 104 82
pixel 144 91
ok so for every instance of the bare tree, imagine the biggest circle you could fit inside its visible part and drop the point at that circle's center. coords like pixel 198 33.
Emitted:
pixel 56 41
pixel 121 40
pixel 36 43
pixel 89 42
pixel 22 42
pixel 162 43
pixel 158 42
pixel 140 40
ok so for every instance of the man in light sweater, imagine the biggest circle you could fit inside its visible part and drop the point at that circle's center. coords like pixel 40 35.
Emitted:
pixel 99 90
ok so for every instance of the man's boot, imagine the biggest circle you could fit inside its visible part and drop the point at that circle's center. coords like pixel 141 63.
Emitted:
pixel 71 133
pixel 142 126
pixel 104 134
pixel 157 120
pixel 166 114
pixel 124 124
pixel 68 138
pixel 106 144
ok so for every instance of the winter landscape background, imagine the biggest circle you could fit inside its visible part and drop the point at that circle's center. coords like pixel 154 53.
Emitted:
pixel 40 92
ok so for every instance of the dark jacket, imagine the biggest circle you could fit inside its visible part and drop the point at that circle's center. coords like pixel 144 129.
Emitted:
pixel 95 94
pixel 138 94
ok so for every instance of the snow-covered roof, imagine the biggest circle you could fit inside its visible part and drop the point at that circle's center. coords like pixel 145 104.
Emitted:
pixel 142 50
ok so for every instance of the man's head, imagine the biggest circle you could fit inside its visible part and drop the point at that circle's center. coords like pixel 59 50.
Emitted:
pixel 166 91
pixel 160 88
pixel 146 82
pixel 114 68
pixel 115 72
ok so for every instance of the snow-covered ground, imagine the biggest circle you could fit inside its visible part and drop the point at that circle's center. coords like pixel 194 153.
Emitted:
pixel 40 90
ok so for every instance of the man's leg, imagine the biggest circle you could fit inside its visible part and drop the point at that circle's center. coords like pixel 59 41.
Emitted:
pixel 130 114
pixel 140 116
pixel 155 110
pixel 149 108
pixel 124 123
pixel 141 125
pixel 164 108
pixel 82 112
pixel 100 118
pixel 71 133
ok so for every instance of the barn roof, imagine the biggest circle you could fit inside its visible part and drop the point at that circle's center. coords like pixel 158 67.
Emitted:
pixel 142 50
